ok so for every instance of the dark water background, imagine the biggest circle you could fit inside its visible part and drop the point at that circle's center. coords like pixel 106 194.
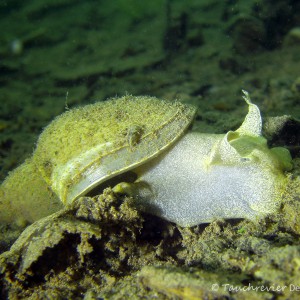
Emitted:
pixel 56 55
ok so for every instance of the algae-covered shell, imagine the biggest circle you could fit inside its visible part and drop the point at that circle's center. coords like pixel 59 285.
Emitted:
pixel 86 146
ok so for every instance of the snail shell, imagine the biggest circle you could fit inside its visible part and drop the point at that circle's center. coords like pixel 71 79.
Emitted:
pixel 86 146
pixel 187 178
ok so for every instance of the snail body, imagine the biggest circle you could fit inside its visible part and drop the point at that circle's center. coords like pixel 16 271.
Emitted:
pixel 185 177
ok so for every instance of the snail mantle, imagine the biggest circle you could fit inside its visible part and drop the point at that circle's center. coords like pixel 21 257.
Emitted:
pixel 182 176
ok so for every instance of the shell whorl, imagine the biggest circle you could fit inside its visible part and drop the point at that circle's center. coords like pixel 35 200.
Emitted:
pixel 86 146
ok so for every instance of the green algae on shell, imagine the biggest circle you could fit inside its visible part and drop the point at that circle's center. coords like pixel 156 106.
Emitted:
pixel 184 177
pixel 86 146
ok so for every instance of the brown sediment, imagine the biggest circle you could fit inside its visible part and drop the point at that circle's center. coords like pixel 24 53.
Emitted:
pixel 103 247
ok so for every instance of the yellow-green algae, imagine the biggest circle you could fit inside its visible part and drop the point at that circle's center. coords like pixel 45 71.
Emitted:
pixel 83 138
pixel 25 197
pixel 86 146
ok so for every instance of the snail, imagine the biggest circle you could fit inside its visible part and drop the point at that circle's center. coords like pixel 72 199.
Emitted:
pixel 142 147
